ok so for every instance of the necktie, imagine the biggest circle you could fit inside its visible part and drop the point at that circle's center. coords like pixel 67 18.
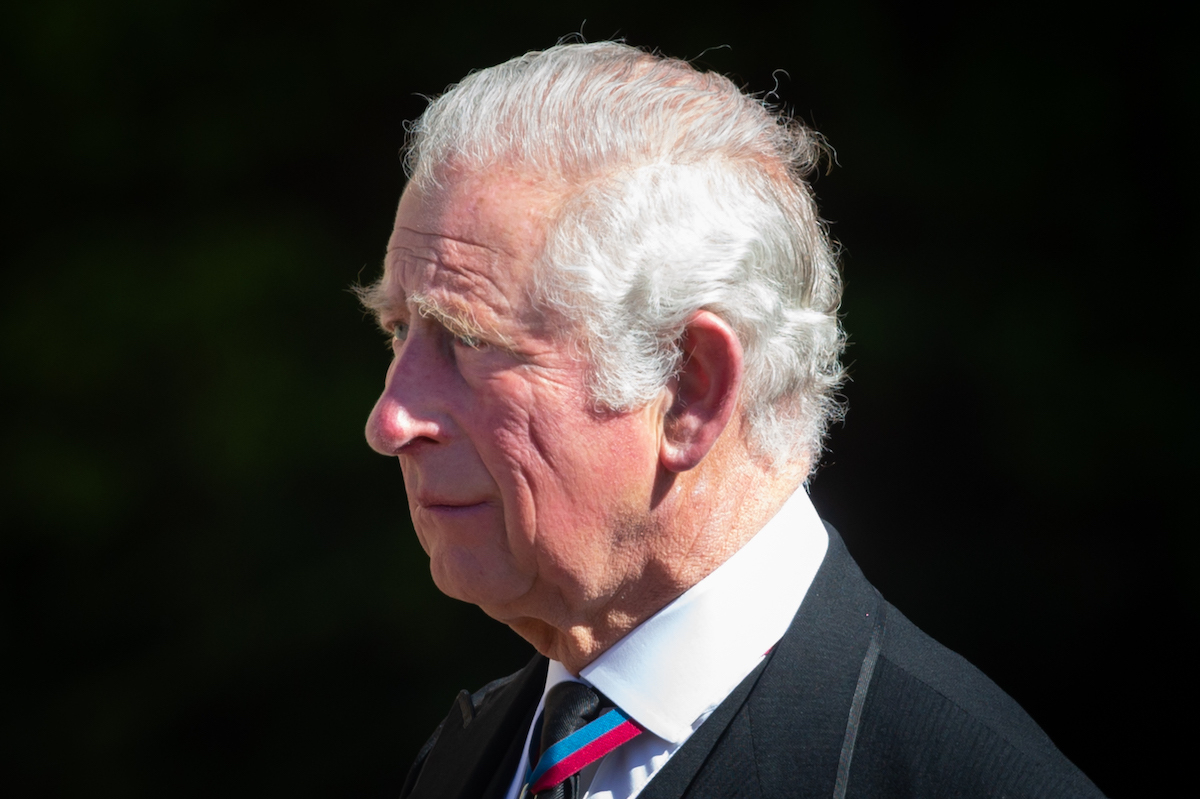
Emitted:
pixel 572 737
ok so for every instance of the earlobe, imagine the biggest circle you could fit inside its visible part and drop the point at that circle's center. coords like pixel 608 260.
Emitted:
pixel 705 392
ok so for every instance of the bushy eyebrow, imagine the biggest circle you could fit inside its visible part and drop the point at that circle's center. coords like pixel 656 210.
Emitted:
pixel 459 322
pixel 374 300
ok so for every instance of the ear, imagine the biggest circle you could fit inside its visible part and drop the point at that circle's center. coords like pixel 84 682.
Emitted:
pixel 706 391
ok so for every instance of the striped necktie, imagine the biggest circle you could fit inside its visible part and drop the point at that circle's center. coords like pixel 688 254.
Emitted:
pixel 573 735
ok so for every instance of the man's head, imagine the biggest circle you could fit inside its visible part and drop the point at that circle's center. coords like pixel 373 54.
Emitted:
pixel 672 191
pixel 612 301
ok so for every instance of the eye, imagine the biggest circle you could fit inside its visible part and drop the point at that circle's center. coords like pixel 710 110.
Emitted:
pixel 399 331
pixel 468 341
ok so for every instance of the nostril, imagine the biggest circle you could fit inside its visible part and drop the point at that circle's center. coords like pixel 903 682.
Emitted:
pixel 413 446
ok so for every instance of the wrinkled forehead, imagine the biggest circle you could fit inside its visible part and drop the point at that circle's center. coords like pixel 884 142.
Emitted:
pixel 499 206
pixel 470 239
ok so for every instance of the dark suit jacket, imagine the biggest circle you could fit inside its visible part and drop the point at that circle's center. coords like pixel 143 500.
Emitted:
pixel 855 701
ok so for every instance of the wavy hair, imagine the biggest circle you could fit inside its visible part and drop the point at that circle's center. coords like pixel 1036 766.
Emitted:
pixel 679 192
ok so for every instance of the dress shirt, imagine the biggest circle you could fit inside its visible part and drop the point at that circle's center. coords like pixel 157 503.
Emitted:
pixel 672 671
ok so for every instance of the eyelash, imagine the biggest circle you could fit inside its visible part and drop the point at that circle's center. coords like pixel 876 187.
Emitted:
pixel 468 341
pixel 400 333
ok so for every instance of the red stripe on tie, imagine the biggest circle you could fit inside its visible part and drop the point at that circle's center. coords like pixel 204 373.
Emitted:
pixel 586 755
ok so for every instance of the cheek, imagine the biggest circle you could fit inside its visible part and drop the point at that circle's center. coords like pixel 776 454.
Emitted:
pixel 521 471
pixel 587 472
pixel 560 469
pixel 520 423
pixel 525 442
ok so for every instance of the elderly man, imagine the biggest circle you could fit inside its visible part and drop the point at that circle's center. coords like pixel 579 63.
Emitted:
pixel 613 313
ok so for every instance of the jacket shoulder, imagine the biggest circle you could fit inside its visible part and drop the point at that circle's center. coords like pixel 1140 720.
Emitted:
pixel 856 701
pixel 471 745
pixel 938 725
pixel 478 700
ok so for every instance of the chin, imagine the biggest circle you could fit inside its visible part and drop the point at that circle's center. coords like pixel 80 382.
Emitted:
pixel 470 581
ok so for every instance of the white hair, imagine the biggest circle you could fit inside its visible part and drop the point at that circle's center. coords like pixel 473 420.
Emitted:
pixel 678 193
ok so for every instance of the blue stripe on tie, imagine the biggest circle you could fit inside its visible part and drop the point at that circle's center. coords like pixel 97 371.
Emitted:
pixel 576 741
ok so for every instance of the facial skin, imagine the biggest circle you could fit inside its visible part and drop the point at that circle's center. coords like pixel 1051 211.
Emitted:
pixel 570 525
pixel 529 503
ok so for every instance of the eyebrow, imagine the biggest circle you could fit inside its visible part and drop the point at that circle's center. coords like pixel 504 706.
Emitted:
pixel 460 322
pixel 374 299
pixel 370 297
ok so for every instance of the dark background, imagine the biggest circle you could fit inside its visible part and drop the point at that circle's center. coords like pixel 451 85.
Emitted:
pixel 208 583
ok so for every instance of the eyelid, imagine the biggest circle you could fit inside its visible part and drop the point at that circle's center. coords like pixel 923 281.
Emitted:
pixel 398 331
pixel 389 319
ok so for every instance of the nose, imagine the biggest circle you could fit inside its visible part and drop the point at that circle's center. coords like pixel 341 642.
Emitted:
pixel 405 412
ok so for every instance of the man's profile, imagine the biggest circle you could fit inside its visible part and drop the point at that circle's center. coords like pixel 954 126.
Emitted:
pixel 616 350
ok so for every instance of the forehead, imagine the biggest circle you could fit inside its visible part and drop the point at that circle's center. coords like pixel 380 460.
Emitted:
pixel 467 242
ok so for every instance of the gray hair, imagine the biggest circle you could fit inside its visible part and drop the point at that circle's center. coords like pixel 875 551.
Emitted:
pixel 678 193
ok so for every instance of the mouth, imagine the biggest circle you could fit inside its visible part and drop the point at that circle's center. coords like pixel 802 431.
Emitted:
pixel 444 506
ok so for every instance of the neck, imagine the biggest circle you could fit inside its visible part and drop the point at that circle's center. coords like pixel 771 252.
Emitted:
pixel 704 516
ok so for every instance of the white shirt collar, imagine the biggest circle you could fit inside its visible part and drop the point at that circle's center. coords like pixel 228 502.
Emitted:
pixel 671 671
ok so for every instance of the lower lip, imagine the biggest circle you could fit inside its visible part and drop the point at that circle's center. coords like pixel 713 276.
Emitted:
pixel 455 510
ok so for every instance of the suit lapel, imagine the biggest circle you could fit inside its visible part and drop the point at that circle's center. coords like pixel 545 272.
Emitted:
pixel 780 732
pixel 678 774
pixel 801 706
pixel 478 759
